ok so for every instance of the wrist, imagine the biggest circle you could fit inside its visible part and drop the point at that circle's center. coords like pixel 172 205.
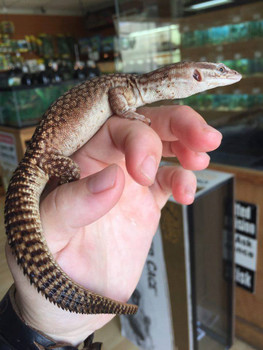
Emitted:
pixel 40 314
pixel 16 334
pixel 55 323
pixel 41 317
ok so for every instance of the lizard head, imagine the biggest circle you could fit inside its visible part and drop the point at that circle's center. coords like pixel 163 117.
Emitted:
pixel 196 77
pixel 211 75
pixel 184 79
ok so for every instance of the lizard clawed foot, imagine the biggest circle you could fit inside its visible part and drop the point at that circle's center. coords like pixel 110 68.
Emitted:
pixel 136 116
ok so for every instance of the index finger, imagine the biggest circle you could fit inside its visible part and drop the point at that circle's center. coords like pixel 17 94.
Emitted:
pixel 182 123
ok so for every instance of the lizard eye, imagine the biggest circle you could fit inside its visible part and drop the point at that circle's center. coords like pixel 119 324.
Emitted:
pixel 222 69
pixel 197 75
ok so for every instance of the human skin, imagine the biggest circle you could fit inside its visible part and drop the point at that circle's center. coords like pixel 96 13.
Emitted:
pixel 99 229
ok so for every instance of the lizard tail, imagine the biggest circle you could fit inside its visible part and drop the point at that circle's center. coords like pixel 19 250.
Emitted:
pixel 27 242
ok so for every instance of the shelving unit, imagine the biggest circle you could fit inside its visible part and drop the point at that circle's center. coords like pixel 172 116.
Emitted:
pixel 26 33
pixel 146 44
pixel 234 36
pixel 240 46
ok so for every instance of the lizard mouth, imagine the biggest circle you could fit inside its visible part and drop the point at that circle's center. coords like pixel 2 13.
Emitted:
pixel 197 75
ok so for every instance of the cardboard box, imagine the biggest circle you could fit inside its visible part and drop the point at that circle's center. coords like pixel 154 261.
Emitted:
pixel 185 294
pixel 249 254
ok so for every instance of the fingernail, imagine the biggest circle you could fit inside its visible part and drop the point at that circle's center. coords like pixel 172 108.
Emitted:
pixel 149 167
pixel 190 193
pixel 102 181
pixel 202 156
pixel 208 128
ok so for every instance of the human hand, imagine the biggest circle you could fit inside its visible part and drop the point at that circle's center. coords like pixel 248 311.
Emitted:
pixel 99 229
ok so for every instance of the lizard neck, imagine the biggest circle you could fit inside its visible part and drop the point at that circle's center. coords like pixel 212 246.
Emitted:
pixel 159 85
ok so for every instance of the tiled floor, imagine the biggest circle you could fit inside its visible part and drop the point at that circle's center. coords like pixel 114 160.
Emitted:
pixel 110 334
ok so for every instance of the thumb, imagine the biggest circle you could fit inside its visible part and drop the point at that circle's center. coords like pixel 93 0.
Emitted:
pixel 74 205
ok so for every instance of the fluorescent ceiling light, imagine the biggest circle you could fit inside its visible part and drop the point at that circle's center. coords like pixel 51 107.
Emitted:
pixel 207 4
pixel 153 30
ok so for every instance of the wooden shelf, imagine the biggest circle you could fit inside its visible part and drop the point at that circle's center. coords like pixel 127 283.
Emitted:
pixel 231 15
pixel 219 118
pixel 106 66
pixel 228 51
pixel 248 85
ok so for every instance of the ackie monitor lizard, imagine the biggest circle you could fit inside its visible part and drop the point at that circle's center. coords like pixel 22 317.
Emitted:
pixel 66 126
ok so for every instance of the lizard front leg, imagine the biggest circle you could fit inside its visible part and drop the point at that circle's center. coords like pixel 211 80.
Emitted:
pixel 122 100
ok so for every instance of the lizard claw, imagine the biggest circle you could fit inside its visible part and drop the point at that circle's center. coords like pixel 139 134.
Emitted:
pixel 136 116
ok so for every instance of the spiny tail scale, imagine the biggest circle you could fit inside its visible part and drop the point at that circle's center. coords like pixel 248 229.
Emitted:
pixel 25 237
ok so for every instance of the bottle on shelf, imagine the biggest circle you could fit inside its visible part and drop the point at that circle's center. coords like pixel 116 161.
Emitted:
pixel 56 76
pixel 14 78
pixel 26 76
pixel 42 77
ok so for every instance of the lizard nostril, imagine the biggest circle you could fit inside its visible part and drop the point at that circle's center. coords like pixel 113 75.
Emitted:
pixel 197 75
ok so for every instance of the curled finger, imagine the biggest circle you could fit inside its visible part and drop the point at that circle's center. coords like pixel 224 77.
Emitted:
pixel 175 180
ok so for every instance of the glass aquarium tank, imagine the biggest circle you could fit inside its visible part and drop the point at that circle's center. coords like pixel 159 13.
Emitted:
pixel 24 106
